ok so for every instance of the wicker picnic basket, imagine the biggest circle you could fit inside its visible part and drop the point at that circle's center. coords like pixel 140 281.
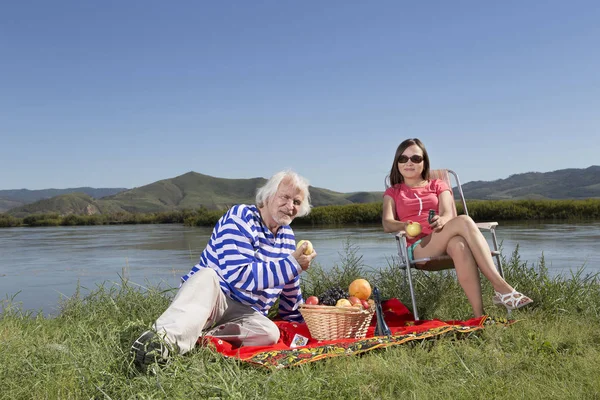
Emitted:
pixel 331 323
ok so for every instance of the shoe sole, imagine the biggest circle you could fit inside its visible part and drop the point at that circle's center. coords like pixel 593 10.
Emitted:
pixel 139 349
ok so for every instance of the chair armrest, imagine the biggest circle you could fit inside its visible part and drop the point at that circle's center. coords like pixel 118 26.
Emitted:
pixel 488 226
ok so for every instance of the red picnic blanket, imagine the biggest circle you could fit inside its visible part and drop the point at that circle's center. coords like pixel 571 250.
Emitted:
pixel 399 319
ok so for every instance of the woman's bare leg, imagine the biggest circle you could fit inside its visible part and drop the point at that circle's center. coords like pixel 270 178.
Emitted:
pixel 463 226
pixel 467 272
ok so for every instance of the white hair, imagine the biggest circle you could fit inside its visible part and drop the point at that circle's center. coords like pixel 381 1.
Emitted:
pixel 264 193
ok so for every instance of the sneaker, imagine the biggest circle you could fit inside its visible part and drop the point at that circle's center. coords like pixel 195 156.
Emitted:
pixel 148 350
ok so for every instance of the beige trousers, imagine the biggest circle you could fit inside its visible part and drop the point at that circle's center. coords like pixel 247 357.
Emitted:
pixel 200 306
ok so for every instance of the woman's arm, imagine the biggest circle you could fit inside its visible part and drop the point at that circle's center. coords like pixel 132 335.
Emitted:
pixel 389 219
pixel 445 210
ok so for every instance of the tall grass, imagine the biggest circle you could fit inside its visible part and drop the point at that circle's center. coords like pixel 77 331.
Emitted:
pixel 365 213
pixel 552 352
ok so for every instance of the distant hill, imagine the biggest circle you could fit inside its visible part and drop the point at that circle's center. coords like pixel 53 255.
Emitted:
pixel 65 204
pixel 192 190
pixel 561 184
pixel 187 191
pixel 19 197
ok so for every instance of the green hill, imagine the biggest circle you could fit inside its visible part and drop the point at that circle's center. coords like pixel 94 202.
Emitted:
pixel 73 203
pixel 187 191
pixel 18 197
pixel 193 190
pixel 569 183
pixel 190 190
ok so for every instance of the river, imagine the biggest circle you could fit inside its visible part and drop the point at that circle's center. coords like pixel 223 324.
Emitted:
pixel 40 265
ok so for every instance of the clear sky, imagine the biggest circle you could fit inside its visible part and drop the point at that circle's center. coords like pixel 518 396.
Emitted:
pixel 125 93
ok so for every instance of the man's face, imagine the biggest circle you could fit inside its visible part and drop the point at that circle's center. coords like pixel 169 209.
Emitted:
pixel 285 204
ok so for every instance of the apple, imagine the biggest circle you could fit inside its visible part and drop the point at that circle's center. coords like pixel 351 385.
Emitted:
pixel 309 248
pixel 355 301
pixel 413 228
pixel 365 304
pixel 343 303
pixel 312 300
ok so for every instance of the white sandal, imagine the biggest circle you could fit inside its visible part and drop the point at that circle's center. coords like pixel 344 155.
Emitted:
pixel 512 300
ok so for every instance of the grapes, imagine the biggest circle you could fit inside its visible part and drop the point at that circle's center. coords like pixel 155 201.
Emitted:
pixel 332 295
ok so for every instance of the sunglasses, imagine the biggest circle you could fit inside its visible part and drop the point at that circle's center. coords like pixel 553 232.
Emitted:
pixel 414 158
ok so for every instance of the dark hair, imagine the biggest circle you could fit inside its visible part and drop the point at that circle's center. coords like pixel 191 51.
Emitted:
pixel 395 176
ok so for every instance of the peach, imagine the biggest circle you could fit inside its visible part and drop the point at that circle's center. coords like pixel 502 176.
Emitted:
pixel 343 303
pixel 309 248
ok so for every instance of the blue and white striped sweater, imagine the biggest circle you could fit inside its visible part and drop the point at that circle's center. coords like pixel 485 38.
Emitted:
pixel 255 268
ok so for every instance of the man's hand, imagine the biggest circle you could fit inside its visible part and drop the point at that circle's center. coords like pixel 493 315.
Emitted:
pixel 303 259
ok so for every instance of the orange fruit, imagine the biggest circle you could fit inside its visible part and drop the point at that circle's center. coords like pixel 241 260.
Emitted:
pixel 360 288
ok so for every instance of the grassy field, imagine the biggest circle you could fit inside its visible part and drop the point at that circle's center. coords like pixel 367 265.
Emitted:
pixel 552 352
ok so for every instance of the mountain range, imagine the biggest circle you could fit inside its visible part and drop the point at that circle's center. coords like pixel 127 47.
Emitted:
pixel 19 197
pixel 187 191
pixel 192 190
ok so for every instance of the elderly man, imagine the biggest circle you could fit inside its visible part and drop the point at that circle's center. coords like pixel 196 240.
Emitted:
pixel 250 261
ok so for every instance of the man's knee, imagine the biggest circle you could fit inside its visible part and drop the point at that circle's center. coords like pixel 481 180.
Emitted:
pixel 272 334
pixel 202 276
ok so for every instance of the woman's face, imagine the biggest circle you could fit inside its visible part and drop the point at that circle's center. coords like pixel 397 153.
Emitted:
pixel 411 169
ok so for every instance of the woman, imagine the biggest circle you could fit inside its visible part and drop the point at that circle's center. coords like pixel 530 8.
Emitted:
pixel 409 197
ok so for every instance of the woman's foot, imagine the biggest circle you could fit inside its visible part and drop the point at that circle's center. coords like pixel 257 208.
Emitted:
pixel 512 300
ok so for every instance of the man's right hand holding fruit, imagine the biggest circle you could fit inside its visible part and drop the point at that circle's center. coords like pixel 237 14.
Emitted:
pixel 304 254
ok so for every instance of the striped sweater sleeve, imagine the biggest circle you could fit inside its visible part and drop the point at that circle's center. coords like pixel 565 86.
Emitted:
pixel 235 250
pixel 290 299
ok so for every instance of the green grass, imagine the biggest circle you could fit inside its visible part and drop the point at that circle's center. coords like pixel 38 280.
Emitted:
pixel 347 214
pixel 552 352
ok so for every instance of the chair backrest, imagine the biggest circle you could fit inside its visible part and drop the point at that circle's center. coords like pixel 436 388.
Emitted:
pixel 444 174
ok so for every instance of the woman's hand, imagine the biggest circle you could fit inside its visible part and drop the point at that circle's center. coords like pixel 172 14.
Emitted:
pixel 437 223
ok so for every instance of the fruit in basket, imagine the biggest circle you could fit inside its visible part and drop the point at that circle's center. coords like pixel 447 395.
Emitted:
pixel 413 228
pixel 360 288
pixel 312 300
pixel 343 303
pixel 332 295
pixel 309 248
pixel 365 304
pixel 355 301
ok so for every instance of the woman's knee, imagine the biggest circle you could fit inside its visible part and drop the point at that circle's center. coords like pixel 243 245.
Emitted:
pixel 457 246
pixel 465 224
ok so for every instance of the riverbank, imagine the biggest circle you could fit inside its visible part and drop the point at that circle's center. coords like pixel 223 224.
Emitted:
pixel 366 213
pixel 553 351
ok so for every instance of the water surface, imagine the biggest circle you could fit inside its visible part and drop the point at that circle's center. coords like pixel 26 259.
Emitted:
pixel 40 265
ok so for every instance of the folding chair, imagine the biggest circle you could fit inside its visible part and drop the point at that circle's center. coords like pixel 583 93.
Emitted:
pixel 442 262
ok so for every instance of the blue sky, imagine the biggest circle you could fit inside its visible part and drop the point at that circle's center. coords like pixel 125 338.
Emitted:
pixel 125 93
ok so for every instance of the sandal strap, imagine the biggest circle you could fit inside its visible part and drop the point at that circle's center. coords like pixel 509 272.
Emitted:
pixel 512 299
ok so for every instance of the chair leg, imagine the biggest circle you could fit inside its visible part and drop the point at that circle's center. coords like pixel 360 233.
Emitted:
pixel 412 292
pixel 405 263
pixel 498 259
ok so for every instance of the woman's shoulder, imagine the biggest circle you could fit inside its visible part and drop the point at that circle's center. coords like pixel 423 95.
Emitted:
pixel 392 191
pixel 438 185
